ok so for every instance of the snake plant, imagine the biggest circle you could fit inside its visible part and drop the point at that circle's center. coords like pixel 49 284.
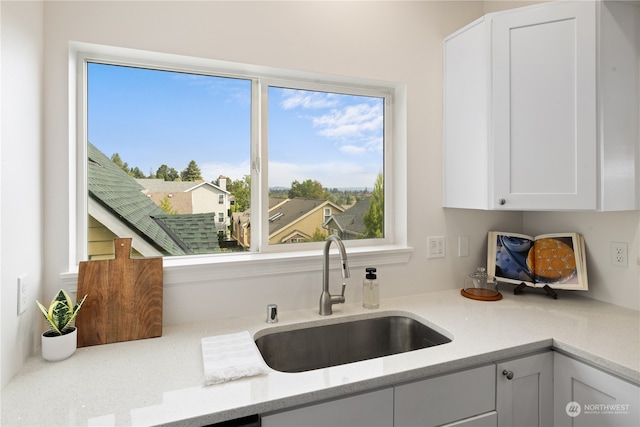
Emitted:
pixel 61 313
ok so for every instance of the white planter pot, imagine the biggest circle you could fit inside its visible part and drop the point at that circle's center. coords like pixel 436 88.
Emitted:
pixel 59 347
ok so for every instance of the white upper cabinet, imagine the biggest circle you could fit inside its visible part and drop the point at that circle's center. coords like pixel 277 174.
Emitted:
pixel 544 107
pixel 541 109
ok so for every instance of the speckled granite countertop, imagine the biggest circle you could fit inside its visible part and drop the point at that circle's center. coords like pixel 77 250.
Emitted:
pixel 160 380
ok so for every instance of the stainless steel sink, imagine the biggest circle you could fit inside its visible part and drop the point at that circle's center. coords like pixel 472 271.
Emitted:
pixel 316 347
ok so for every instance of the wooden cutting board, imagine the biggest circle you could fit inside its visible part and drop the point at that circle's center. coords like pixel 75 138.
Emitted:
pixel 124 301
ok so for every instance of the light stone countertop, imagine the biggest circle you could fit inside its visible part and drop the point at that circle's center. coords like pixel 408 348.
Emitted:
pixel 160 380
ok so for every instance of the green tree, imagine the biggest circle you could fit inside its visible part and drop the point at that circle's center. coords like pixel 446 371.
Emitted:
pixel 278 193
pixel 318 236
pixel 191 172
pixel 165 205
pixel 310 188
pixel 241 189
pixel 167 173
pixel 374 217
pixel 115 158
pixel 137 173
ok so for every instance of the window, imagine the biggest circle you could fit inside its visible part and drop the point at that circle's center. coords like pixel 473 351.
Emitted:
pixel 298 143
pixel 327 214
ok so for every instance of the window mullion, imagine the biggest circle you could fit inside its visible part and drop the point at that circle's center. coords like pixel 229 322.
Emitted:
pixel 259 169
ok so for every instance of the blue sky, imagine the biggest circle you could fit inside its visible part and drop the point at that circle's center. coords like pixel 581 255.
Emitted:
pixel 152 118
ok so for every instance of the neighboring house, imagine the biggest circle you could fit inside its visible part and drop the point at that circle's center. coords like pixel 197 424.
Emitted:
pixel 242 228
pixel 242 224
pixel 187 197
pixel 290 220
pixel 296 220
pixel 119 208
pixel 349 224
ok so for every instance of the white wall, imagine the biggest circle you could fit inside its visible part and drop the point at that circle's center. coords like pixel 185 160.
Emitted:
pixel 394 41
pixel 21 225
pixel 617 285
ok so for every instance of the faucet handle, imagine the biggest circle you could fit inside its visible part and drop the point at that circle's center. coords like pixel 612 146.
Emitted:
pixel 335 299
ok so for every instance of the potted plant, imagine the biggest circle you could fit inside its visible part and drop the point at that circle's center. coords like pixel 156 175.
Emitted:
pixel 61 340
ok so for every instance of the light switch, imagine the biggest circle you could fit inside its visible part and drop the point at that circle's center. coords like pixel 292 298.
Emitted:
pixel 435 247
pixel 463 246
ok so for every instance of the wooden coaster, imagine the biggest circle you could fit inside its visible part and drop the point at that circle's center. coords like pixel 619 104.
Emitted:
pixel 481 294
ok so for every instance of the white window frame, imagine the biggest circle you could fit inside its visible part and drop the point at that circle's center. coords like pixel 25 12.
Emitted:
pixel 326 215
pixel 392 249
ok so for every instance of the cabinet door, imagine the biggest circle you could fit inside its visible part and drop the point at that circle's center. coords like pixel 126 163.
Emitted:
pixel 466 86
pixel 544 107
pixel 586 396
pixel 374 409
pixel 447 398
pixel 524 391
pixel 619 85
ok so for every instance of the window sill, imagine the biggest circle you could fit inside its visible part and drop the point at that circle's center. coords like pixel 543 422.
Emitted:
pixel 184 270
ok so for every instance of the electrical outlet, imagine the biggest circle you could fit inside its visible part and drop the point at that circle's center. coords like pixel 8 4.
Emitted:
pixel 619 254
pixel 435 247
pixel 23 293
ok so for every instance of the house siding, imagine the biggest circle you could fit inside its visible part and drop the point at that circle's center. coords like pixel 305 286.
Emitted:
pixel 100 242
pixel 306 225
pixel 205 199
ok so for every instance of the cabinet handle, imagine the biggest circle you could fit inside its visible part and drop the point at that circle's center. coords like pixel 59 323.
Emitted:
pixel 502 201
pixel 508 374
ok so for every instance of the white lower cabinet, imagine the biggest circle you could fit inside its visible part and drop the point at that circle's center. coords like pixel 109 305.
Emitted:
pixel 465 398
pixel 373 409
pixel 524 391
pixel 461 398
pixel 587 396
pixel 540 390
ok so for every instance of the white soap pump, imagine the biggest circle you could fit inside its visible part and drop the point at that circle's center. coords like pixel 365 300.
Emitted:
pixel 370 289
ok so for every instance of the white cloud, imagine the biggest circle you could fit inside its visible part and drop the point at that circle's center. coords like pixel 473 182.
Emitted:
pixel 329 174
pixel 334 174
pixel 358 126
pixel 226 89
pixel 211 171
pixel 355 123
pixel 305 99
pixel 352 149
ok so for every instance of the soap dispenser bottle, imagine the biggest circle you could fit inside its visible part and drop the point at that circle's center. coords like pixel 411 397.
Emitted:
pixel 370 289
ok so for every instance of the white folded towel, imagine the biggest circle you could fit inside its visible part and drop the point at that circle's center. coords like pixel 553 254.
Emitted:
pixel 229 357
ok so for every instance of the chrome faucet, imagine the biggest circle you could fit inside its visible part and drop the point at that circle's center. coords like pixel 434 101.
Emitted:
pixel 326 299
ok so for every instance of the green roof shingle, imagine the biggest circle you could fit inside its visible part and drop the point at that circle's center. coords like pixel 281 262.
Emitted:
pixel 197 232
pixel 114 189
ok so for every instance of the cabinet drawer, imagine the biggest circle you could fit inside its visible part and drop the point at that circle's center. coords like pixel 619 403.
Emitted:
pixel 373 409
pixel 490 419
pixel 439 400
